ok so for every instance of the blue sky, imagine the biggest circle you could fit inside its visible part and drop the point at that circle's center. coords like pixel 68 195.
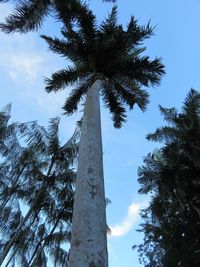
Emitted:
pixel 25 61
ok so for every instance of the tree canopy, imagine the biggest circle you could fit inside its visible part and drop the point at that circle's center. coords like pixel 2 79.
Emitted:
pixel 171 175
pixel 37 174
pixel 108 53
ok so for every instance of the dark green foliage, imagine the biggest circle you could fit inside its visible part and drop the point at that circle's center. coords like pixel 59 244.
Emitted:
pixel 108 53
pixel 29 15
pixel 171 176
pixel 35 170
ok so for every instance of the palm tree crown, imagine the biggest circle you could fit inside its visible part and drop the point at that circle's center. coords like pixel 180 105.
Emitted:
pixel 108 53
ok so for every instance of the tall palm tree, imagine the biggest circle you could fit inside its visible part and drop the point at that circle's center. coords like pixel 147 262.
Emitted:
pixel 106 60
pixel 47 175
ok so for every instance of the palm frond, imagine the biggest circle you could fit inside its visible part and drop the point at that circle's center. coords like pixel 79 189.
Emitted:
pixel 28 16
pixel 59 80
pixel 169 114
pixel 87 26
pixel 136 34
pixel 112 102
pixel 76 95
pixel 143 70
pixel 132 94
pixel 191 104
pixel 68 11
pixel 56 45
pixel 111 21
pixel 161 134
pixel 73 50
pixel 35 136
pixel 125 94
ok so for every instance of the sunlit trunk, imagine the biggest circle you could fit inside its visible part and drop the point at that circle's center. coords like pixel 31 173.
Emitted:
pixel 89 242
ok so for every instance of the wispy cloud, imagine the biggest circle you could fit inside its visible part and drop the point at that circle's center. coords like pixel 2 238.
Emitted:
pixel 127 224
pixel 26 66
pixel 19 61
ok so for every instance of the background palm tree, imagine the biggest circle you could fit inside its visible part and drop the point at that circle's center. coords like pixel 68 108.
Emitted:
pixel 171 175
pixel 105 59
pixel 41 176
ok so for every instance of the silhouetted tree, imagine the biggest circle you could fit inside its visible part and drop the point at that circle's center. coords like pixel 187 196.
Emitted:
pixel 172 177
pixel 41 176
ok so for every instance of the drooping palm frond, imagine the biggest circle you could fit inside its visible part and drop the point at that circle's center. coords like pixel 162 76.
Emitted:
pixel 76 95
pixel 61 79
pixel 111 54
pixel 116 108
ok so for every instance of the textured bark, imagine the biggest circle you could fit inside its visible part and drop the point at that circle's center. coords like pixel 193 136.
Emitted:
pixel 89 242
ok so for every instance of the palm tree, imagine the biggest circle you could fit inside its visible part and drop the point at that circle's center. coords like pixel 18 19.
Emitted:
pixel 171 177
pixel 105 59
pixel 46 177
pixel 181 137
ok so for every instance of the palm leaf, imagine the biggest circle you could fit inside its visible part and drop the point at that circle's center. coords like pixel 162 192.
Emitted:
pixel 35 11
pixel 76 95
pixel 59 80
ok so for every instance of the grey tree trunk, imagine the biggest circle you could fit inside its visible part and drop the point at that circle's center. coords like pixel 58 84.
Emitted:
pixel 89 241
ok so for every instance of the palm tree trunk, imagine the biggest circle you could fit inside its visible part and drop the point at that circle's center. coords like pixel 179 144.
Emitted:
pixel 89 242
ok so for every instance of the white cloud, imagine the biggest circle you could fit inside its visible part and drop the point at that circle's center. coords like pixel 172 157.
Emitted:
pixel 20 62
pixel 127 224
pixel 24 66
pixel 21 58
